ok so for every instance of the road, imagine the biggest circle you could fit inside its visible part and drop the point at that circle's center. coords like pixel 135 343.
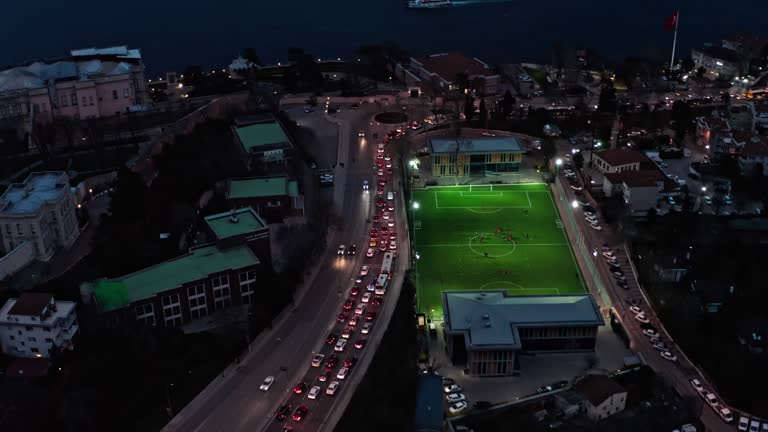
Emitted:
pixel 677 373
pixel 235 403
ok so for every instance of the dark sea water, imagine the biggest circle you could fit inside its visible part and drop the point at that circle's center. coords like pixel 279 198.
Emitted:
pixel 173 33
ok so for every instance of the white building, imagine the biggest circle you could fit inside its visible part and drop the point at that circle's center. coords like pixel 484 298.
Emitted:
pixel 722 62
pixel 35 325
pixel 618 160
pixel 40 211
pixel 603 396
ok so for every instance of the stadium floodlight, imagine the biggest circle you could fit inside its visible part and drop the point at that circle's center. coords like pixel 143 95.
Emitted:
pixel 415 205
pixel 575 204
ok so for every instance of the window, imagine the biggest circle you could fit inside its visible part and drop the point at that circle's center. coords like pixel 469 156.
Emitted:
pixel 85 101
pixel 32 339
pixel 172 310
pixel 114 94
pixel 247 285
pixel 35 108
pixel 49 340
pixel 18 228
pixel 197 305
pixel 126 92
pixel 34 350
pixel 32 228
pixel 145 314
pixel 221 295
pixel 8 229
pixel 74 99
pixel 13 337
pixel 90 100
pixel 28 328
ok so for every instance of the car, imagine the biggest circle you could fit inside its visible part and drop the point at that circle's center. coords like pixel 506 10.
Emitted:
pixel 387 157
pixel 659 346
pixel 391 223
pixel 376 218
pixel 348 331
pixel 365 184
pixel 391 208
pixel 354 291
pixel 308 109
pixel 323 377
pixel 331 362
pixel 457 407
pixel 385 215
pixel 591 219
pixel 350 362
pixel 743 423
pixel 380 172
pixel 352 321
pixel 361 134
pixel 448 381
pixel 482 404
pixel 370 253
pixel 366 328
pixel 380 191
pixel 342 317
pixel 343 372
pixel 754 426
pixel 452 388
pixel 348 304
pixel 313 392
pixel 364 270
pixel 596 227
pixel 636 310
pixel 710 398
pixel 630 301
pixel 609 255
pixel 707 200
pixel 317 360
pixel 575 186
pixel 360 343
pixel 389 171
pixel 697 385
pixel 641 317
pixel 366 297
pixel 383 247
pixel 727 200
pixel 360 309
pixel 671 201
pixel 544 389
pixel 392 245
pixel 764 427
pixel 331 339
pixel 283 411
pixel 300 413
pixel 619 276
pixel 332 387
pixel 666 355
pixel 352 250
pixel 650 332
pixel 300 388
pixel 341 250
pixel 380 148
pixel 268 381
pixel 727 416
pixel 455 397
pixel 373 242
pixel 340 345
pixel 370 316
pixel 377 301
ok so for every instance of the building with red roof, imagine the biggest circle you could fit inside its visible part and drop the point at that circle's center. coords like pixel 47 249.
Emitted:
pixel 618 160
pixel 436 74
pixel 754 155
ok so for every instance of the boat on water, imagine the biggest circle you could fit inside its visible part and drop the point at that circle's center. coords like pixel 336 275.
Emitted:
pixel 428 4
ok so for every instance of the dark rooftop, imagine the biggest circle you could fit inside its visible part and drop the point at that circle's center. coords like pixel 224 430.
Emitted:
pixel 31 304
pixel 597 388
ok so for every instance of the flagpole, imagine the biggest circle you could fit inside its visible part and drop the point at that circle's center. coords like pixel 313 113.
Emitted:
pixel 674 41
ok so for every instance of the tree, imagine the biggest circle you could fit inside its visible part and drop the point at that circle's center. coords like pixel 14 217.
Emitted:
pixel 726 97
pixel 607 102
pixel 508 104
pixel 250 55
pixel 483 118
pixel 469 108
pixel 578 160
pixel 700 72
pixel 688 64
pixel 682 115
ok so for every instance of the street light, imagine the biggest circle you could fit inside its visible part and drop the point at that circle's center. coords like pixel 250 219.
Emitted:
pixel 558 162
pixel 415 205
pixel 703 188
pixel 575 204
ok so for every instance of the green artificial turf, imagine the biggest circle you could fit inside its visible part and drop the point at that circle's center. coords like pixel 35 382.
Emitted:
pixel 454 228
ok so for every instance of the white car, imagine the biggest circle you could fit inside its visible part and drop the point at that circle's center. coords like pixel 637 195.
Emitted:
pixel 710 398
pixel 364 270
pixel 268 381
pixel 366 297
pixel 453 388
pixel 596 227
pixel 697 385
pixel 754 426
pixel 332 387
pixel 380 148
pixel 641 317
pixel 343 372
pixel 458 407
pixel 370 252
pixel 390 222
pixel 455 397
pixel 341 250
pixel 393 245
pixel 726 415
pixel 361 134
pixel 743 423
pixel 659 346
pixel 317 360
pixel 636 310
pixel 650 332
pixel 360 308
pixel 313 392
pixel 609 255
pixel 666 355
pixel 619 276
pixel 380 172
pixel 365 184
pixel 591 219
pixel 366 328
pixel 340 345
pixel 385 215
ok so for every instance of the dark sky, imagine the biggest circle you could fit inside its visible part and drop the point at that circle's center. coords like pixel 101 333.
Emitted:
pixel 173 33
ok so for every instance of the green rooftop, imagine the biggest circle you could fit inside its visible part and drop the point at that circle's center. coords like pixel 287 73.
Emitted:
pixel 245 221
pixel 198 264
pixel 256 187
pixel 256 136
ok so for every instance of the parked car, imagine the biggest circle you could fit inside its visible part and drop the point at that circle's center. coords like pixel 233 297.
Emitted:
pixel 697 385
pixel 668 356
pixel 743 424
pixel 268 381
pixel 455 397
pixel 452 388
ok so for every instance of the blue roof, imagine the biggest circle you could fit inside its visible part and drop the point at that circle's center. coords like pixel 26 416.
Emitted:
pixel 429 404
pixel 38 189
pixel 490 319
pixel 498 144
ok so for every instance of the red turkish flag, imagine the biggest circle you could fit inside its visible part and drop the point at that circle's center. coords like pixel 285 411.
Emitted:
pixel 670 22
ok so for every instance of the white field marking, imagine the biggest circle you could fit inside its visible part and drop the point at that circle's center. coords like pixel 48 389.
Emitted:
pixel 570 249
pixel 481 194
pixel 529 199
pixel 483 212
pixel 493 245
pixel 514 247
pixel 518 287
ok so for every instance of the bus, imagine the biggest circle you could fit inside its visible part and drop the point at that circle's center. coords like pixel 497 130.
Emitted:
pixel 381 284
pixel 386 265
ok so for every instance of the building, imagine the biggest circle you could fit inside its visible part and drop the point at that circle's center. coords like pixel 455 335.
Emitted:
pixel 241 226
pixel 475 155
pixel 753 157
pixel 484 330
pixel 753 334
pixel 273 198
pixel 603 396
pixel 747 45
pixel 718 61
pixel 40 211
pixel 709 133
pixel 436 75
pixel 618 160
pixel 712 294
pixel 741 115
pixel 36 325
pixel 429 404
pixel 263 139
pixel 89 83
pixel 670 268
pixel 639 189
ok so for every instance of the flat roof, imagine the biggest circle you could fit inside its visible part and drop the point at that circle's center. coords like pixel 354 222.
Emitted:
pixel 37 189
pixel 198 264
pixel 490 319
pixel 497 144
pixel 448 65
pixel 256 187
pixel 245 221
pixel 429 404
pixel 262 136
pixel 31 304
pixel 618 157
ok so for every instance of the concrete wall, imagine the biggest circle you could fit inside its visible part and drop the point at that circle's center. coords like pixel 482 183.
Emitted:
pixel 16 259
pixel 97 183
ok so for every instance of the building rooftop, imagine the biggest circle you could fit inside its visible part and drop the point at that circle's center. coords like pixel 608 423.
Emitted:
pixel 429 404
pixel 496 144
pixel 235 223
pixel 491 318
pixel 31 304
pixel 618 157
pixel 448 65
pixel 597 388
pixel 256 187
pixel 38 189
pixel 757 146
pixel 642 178
pixel 261 137
pixel 29 308
pixel 720 53
pixel 198 264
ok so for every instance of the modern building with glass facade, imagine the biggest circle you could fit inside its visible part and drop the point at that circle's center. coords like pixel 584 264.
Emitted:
pixel 484 330
pixel 475 156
